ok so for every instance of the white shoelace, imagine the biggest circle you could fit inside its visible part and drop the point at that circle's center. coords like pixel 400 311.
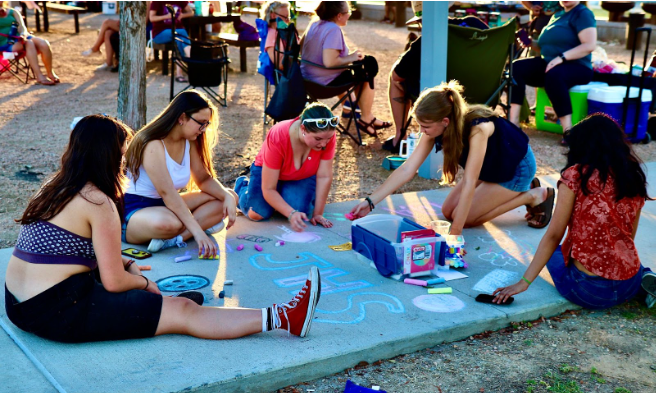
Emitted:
pixel 277 322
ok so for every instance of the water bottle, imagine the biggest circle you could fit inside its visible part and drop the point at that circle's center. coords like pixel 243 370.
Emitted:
pixel 13 31
pixel 409 144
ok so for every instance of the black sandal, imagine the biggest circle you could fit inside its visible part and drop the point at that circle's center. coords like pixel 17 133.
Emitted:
pixel 542 213
pixel 365 126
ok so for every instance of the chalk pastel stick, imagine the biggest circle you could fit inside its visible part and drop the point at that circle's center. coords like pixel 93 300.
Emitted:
pixel 258 247
pixel 434 281
pixel 229 282
pixel 211 257
pixel 144 267
pixel 182 258
pixel 440 290
pixel 240 247
pixel 412 281
pixel 221 294
pixel 350 216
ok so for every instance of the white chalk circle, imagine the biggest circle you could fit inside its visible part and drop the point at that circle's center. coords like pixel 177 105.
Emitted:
pixel 438 303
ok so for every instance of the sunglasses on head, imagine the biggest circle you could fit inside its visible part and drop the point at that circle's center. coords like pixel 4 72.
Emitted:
pixel 323 123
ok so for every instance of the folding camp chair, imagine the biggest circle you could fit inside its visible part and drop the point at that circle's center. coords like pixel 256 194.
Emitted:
pixel 15 63
pixel 206 67
pixel 265 65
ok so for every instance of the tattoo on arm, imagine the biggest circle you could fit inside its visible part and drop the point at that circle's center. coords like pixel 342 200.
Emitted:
pixel 400 100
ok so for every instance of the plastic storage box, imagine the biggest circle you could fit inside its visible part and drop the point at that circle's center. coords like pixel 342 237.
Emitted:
pixel 376 237
pixel 579 105
pixel 610 100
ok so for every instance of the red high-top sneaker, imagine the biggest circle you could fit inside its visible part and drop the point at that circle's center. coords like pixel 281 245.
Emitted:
pixel 296 316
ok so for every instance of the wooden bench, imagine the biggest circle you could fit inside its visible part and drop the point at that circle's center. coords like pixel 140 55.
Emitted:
pixel 165 49
pixel 250 11
pixel 64 9
pixel 232 39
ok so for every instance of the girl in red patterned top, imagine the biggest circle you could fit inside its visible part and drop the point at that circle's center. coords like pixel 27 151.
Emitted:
pixel 601 193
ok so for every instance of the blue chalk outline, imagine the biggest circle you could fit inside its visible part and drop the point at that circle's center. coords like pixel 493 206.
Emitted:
pixel 296 263
pixel 396 308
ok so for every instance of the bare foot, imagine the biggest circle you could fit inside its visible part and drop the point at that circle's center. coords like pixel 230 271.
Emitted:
pixel 538 195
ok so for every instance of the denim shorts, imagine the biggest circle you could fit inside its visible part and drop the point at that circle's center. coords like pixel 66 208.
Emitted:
pixel 300 194
pixel 165 37
pixel 133 203
pixel 79 309
pixel 592 292
pixel 525 172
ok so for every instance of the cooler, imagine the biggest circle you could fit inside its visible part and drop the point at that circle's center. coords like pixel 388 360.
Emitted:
pixel 579 105
pixel 610 100
pixel 377 238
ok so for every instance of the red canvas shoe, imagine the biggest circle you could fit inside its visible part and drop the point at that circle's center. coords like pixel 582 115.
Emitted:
pixel 296 316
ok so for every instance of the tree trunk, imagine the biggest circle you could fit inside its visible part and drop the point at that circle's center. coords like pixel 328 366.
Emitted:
pixel 131 100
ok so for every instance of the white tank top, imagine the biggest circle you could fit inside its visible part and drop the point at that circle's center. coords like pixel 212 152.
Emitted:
pixel 180 174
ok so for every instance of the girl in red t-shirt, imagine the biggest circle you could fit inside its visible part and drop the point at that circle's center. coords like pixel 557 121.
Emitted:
pixel 601 193
pixel 292 172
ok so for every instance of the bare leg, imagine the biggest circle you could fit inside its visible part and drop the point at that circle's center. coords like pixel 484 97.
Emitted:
pixel 109 52
pixel 514 114
pixel 533 197
pixel 108 25
pixel 566 122
pixel 398 103
pixel 43 47
pixel 179 72
pixel 33 60
pixel 183 316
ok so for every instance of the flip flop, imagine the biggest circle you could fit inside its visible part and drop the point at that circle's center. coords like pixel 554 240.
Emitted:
pixel 47 82
pixel 542 213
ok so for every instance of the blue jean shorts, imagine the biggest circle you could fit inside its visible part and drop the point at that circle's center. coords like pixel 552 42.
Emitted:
pixel 133 203
pixel 525 172
pixel 300 194
pixel 165 37
pixel 592 292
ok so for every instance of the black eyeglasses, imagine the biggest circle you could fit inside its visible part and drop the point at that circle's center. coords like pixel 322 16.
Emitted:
pixel 282 16
pixel 202 126
pixel 323 123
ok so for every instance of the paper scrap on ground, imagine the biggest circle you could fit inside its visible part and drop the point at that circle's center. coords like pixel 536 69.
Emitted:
pixel 342 247
pixel 496 279
pixel 449 275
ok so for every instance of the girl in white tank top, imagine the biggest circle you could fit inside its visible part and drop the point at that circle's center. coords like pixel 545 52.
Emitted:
pixel 162 158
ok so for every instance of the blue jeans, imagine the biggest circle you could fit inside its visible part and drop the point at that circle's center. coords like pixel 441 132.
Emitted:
pixel 300 194
pixel 592 292
pixel 524 175
pixel 165 37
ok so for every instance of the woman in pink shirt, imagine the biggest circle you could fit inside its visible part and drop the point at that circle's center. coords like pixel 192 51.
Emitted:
pixel 270 11
pixel 292 172
pixel 601 193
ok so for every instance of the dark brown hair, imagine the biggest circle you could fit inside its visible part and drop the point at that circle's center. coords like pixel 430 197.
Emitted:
pixel 93 155
pixel 328 10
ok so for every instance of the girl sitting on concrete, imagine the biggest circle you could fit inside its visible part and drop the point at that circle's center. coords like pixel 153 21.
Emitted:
pixel 498 161
pixel 174 151
pixel 70 235
pixel 601 193
pixel 292 172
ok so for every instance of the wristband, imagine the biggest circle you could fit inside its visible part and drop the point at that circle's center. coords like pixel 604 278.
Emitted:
pixel 292 213
pixel 526 280
pixel 563 58
pixel 130 262
pixel 371 204
pixel 146 286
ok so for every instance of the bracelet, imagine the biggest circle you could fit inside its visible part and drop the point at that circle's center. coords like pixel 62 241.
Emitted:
pixel 371 204
pixel 130 262
pixel 146 286
pixel 563 58
pixel 291 214
pixel 526 280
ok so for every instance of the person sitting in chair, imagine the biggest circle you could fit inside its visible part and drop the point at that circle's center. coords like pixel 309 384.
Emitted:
pixel 270 11
pixel 160 17
pixel 323 43
pixel 292 172
pixel 32 45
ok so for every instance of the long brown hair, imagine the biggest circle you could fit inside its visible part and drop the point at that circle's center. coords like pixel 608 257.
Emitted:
pixel 187 102
pixel 93 155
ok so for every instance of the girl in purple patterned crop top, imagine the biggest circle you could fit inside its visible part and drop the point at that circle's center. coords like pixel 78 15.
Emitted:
pixel 66 280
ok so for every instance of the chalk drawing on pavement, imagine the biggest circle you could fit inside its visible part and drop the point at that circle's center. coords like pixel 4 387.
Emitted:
pixel 435 303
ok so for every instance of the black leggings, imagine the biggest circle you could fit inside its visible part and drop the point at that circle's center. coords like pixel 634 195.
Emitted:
pixel 557 81
pixel 79 309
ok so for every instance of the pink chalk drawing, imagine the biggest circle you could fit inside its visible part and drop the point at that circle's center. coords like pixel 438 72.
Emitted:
pixel 298 237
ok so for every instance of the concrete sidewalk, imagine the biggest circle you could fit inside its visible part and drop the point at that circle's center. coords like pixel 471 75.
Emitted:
pixel 361 316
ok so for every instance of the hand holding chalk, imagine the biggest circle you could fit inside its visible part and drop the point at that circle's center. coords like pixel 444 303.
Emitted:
pixel 350 216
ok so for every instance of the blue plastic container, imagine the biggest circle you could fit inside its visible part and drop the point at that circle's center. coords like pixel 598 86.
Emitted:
pixel 610 100
pixel 376 237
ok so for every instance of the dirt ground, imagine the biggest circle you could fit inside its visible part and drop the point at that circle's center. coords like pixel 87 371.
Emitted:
pixel 591 352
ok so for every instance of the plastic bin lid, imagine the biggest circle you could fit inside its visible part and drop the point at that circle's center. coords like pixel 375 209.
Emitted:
pixel 377 218
pixel 647 95
pixel 607 94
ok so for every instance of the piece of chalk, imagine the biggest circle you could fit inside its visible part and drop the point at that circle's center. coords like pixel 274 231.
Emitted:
pixel 258 247
pixel 210 257
pixel 144 267
pixel 349 216
pixel 434 281
pixel 282 242
pixel 221 294
pixel 440 290
pixel 182 258
pixel 229 282
pixel 240 247
pixel 412 281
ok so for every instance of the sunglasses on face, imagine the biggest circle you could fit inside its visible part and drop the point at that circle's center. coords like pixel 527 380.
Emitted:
pixel 323 123
pixel 202 126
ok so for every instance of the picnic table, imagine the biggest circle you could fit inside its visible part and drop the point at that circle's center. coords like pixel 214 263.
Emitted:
pixel 196 25
pixel 55 7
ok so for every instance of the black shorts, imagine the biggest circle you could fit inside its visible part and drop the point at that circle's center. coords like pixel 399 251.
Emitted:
pixel 79 309
pixel 408 67
pixel 344 78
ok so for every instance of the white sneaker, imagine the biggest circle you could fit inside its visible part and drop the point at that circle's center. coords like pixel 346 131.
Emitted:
pixel 89 52
pixel 103 67
pixel 216 228
pixel 160 244
pixel 648 284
